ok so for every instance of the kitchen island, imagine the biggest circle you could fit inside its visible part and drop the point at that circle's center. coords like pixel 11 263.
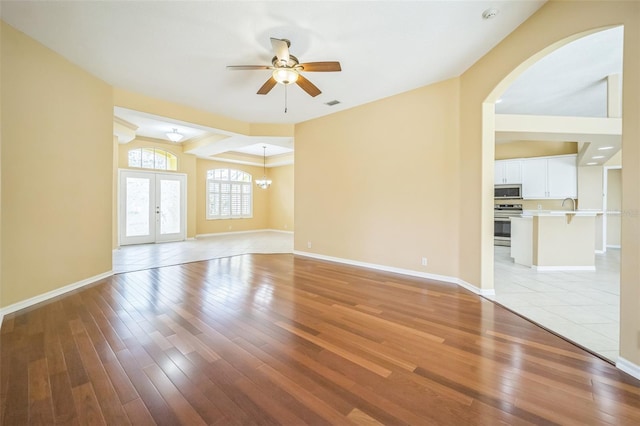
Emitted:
pixel 554 240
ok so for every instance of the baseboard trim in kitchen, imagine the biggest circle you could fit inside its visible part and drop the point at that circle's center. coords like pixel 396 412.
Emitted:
pixel 51 294
pixel 385 268
pixel 628 367
pixel 562 268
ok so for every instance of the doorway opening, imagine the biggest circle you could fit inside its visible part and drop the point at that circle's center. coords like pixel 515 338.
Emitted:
pixel 582 306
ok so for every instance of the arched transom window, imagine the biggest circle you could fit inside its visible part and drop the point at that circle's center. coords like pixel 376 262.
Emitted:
pixel 229 194
pixel 153 158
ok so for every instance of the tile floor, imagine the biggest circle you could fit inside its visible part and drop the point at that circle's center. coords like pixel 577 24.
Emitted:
pixel 583 306
pixel 145 256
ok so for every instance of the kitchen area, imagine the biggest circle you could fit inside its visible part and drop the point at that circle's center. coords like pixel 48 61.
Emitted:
pixel 555 262
pixel 557 206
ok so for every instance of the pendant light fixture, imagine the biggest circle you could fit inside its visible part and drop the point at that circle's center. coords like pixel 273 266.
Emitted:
pixel 264 183
pixel 174 136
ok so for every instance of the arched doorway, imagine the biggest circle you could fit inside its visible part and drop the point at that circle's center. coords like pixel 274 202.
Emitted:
pixel 579 306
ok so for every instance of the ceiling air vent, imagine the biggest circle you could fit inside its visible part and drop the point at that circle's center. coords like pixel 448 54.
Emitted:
pixel 332 103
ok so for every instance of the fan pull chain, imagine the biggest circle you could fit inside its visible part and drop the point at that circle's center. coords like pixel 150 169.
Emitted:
pixel 285 98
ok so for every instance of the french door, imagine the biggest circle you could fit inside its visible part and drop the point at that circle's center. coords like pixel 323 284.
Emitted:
pixel 151 207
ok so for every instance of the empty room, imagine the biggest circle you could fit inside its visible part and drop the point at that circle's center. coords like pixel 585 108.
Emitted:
pixel 219 212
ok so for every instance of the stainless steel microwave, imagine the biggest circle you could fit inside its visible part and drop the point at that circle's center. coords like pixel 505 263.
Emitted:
pixel 512 192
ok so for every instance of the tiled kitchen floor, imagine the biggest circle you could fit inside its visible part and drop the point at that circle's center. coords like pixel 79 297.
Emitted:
pixel 583 306
pixel 145 256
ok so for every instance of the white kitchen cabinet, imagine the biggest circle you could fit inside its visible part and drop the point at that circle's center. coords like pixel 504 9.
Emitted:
pixel 534 178
pixel 549 177
pixel 562 177
pixel 507 172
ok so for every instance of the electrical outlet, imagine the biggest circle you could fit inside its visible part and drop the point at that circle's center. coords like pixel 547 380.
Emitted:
pixel 539 206
pixel 308 244
pixel 230 226
pixel 424 261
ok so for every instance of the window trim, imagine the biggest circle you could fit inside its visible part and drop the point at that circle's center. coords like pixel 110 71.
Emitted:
pixel 246 183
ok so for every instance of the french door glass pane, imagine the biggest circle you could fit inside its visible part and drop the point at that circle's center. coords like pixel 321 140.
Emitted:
pixel 137 214
pixel 169 207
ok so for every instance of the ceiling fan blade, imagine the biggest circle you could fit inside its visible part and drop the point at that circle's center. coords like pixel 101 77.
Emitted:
pixel 267 86
pixel 280 49
pixel 308 86
pixel 321 66
pixel 249 67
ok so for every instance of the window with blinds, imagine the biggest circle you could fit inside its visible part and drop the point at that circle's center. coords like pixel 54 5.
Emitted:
pixel 229 194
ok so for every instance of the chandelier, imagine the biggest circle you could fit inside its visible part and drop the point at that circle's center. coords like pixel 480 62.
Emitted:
pixel 264 183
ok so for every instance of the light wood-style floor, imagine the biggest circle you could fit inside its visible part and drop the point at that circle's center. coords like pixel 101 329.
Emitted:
pixel 281 339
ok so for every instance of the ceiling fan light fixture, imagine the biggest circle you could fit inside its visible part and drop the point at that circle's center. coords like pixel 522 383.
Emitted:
pixel 285 75
pixel 174 136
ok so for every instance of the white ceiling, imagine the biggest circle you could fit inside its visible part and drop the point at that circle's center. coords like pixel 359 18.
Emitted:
pixel 179 50
pixel 570 81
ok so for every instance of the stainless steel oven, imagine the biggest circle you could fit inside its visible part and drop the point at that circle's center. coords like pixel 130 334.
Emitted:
pixel 502 214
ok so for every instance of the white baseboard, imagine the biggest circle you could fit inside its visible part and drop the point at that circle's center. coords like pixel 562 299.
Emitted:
pixel 282 231
pixel 51 294
pixel 600 252
pixel 562 268
pixel 628 367
pixel 251 231
pixel 612 246
pixel 435 277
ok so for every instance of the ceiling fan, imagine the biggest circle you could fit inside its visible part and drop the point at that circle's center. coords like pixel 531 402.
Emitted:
pixel 286 69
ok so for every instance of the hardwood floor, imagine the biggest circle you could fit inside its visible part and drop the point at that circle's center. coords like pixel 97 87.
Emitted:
pixel 280 339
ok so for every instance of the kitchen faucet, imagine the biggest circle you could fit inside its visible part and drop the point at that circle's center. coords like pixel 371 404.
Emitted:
pixel 573 202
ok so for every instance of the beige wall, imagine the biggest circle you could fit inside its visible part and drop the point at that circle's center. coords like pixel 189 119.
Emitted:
pixel 379 183
pixel 57 164
pixel 614 205
pixel 590 187
pixel 528 149
pixel 281 198
pixel 616 160
pixel 114 192
pixel 260 218
pixel 186 165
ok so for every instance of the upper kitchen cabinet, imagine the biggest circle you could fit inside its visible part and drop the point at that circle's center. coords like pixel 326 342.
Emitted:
pixel 550 177
pixel 508 172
